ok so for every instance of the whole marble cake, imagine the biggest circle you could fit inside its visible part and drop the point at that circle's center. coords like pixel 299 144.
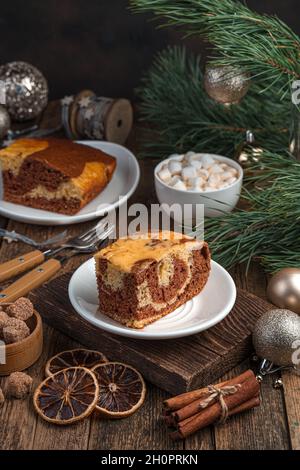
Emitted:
pixel 142 279
pixel 54 174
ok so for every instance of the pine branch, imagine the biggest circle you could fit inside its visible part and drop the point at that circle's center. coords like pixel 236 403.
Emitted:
pixel 186 118
pixel 262 45
pixel 270 231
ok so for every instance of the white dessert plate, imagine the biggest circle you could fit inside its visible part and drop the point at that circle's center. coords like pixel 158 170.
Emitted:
pixel 205 310
pixel 120 188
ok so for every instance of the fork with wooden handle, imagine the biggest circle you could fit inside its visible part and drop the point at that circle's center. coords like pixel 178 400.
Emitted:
pixel 46 270
pixel 23 263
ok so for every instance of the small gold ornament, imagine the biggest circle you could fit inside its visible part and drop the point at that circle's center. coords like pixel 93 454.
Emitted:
pixel 226 85
pixel 284 289
pixel 275 337
pixel 248 153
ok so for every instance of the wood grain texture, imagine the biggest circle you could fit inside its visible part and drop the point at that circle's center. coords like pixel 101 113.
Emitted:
pixel 291 393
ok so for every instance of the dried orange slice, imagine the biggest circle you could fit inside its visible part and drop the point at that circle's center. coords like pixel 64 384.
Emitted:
pixel 122 389
pixel 74 358
pixel 67 396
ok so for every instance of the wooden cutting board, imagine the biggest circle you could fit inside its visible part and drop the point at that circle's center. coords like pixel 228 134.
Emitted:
pixel 176 365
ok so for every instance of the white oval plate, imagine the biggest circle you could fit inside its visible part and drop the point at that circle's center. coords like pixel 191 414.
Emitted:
pixel 123 183
pixel 202 312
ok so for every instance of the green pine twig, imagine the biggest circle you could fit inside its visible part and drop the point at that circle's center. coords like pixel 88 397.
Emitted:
pixel 262 45
pixel 185 118
pixel 270 231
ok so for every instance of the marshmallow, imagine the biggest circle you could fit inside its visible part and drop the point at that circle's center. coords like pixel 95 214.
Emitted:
pixel 196 164
pixel 215 168
pixel 176 157
pixel 174 180
pixel 198 156
pixel 226 175
pixel 207 161
pixel 213 180
pixel 175 167
pixel 188 172
pixel 231 180
pixel 189 155
pixel 194 183
pixel 164 174
pixel 234 172
pixel 179 185
pixel 203 173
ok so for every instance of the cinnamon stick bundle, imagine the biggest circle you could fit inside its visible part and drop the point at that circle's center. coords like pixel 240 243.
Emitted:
pixel 186 414
pixel 193 407
pixel 175 403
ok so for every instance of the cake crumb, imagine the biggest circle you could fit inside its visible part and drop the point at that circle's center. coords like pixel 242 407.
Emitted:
pixel 21 309
pixel 2 398
pixel 19 385
pixel 15 330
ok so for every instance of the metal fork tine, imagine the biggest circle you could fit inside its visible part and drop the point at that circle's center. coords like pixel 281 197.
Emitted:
pixel 98 236
pixel 85 236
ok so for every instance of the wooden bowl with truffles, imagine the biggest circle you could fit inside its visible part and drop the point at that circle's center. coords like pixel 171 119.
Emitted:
pixel 21 336
pixel 199 178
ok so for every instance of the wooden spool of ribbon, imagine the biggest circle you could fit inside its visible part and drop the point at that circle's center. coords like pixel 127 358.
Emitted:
pixel 93 117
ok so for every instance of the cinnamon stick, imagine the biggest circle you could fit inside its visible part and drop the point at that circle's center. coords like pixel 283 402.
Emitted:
pixel 175 403
pixel 209 415
pixel 248 405
pixel 194 407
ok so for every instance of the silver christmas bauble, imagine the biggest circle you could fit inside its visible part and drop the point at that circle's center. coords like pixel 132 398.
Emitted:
pixel 284 289
pixel 226 85
pixel 276 337
pixel 4 121
pixel 26 90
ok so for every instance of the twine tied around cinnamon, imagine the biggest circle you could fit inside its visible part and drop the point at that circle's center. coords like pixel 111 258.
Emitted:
pixel 216 393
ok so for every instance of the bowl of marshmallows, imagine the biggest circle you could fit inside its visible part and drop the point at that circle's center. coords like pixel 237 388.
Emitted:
pixel 199 178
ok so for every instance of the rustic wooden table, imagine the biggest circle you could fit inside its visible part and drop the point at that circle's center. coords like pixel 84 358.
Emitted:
pixel 275 425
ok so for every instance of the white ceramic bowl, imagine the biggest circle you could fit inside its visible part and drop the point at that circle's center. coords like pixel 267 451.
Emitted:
pixel 215 202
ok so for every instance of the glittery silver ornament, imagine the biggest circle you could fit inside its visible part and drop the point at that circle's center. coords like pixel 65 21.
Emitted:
pixel 4 121
pixel 26 90
pixel 276 336
pixel 284 289
pixel 226 85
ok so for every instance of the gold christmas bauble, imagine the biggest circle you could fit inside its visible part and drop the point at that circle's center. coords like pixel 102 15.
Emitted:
pixel 246 157
pixel 226 85
pixel 284 289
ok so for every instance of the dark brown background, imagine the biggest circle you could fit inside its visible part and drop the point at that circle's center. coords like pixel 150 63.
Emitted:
pixel 95 44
